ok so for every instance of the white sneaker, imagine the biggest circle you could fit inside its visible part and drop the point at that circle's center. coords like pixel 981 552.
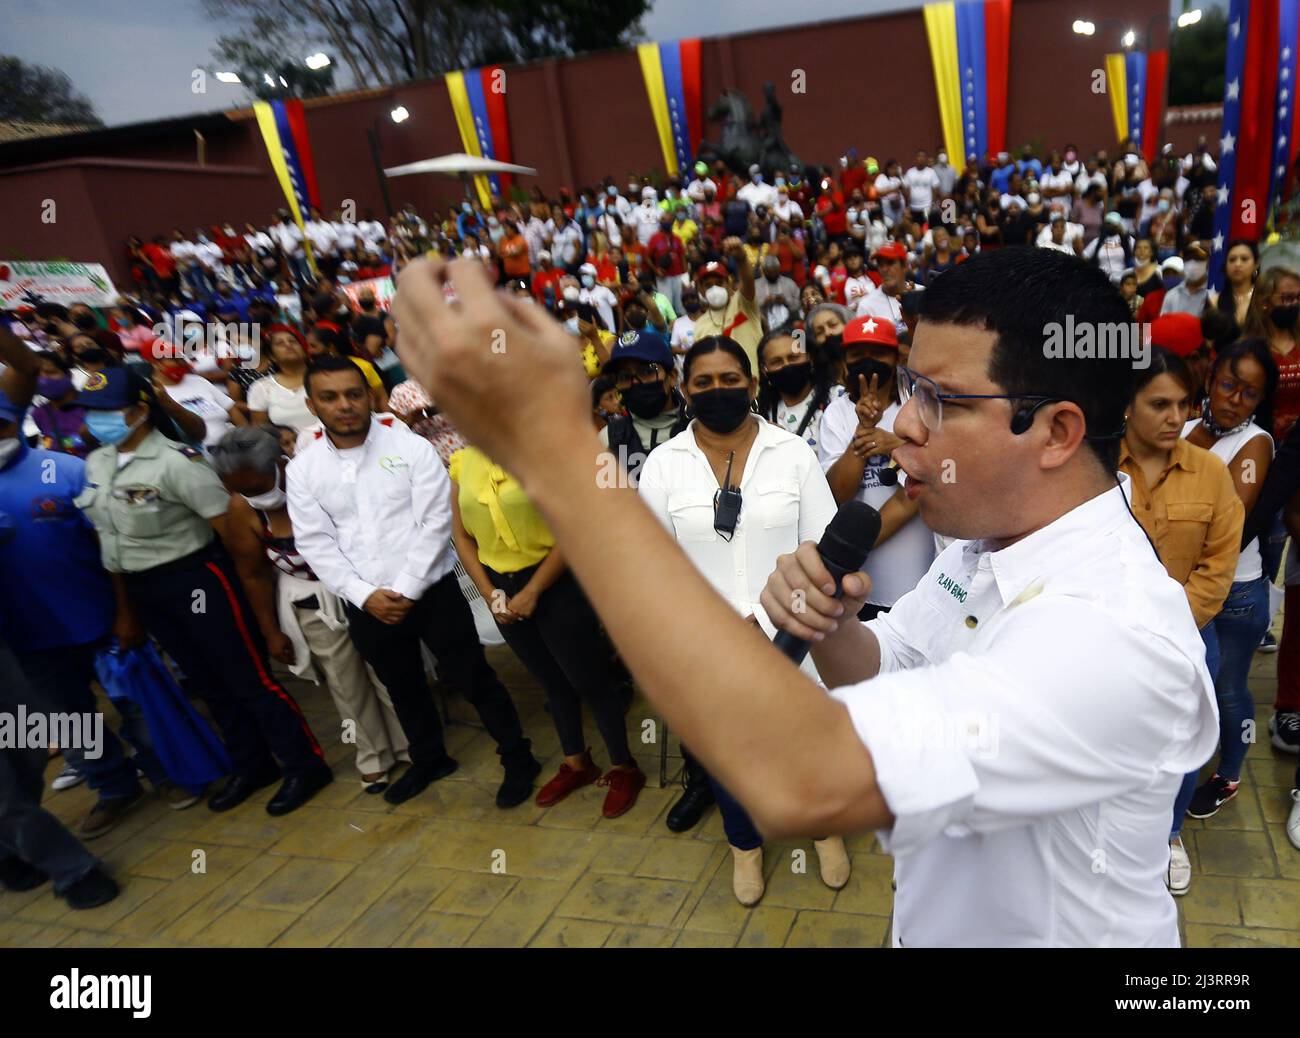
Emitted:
pixel 67 778
pixel 1293 821
pixel 1178 878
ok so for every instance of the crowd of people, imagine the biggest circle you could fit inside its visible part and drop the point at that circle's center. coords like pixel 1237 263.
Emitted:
pixel 746 337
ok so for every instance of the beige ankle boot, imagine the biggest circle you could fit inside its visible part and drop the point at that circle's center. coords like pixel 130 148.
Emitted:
pixel 747 875
pixel 834 861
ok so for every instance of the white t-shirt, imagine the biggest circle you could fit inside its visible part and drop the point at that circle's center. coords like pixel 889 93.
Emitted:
pixel 604 301
pixel 757 194
pixel 896 565
pixel 1250 564
pixel 283 406
pixel 921 186
pixel 856 289
pixel 1057 182
pixel 681 338
pixel 208 402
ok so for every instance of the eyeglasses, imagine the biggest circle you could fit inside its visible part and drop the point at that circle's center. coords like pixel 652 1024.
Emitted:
pixel 646 373
pixel 1231 387
pixel 930 398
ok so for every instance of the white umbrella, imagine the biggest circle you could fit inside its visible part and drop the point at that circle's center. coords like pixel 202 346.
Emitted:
pixel 459 165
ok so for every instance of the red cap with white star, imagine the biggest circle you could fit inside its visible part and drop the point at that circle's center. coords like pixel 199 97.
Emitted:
pixel 878 331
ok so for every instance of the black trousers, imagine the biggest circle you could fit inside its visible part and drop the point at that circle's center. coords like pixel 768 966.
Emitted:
pixel 441 620
pixel 562 647
pixel 196 609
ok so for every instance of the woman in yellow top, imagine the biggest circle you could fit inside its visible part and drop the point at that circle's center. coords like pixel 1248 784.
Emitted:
pixel 1184 498
pixel 509 552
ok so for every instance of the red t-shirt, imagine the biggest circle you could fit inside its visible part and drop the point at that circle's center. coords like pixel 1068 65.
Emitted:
pixel 666 254
pixel 160 258
pixel 1286 404
pixel 853 177
pixel 830 207
pixel 544 279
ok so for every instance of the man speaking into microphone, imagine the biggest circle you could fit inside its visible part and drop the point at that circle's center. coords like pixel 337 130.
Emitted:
pixel 1015 729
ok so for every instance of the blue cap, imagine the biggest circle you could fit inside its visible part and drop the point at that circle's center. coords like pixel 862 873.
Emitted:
pixel 644 345
pixel 112 390
pixel 9 411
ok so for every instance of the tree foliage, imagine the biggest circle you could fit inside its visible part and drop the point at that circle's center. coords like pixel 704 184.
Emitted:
pixel 269 63
pixel 380 42
pixel 36 94
pixel 1196 58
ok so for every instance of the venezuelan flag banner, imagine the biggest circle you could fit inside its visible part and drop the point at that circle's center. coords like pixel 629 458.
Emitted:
pixel 1135 83
pixel 970 53
pixel 1284 119
pixel 478 101
pixel 282 148
pixel 672 82
pixel 1257 84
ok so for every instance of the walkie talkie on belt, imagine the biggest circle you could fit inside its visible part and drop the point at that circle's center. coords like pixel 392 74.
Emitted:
pixel 726 504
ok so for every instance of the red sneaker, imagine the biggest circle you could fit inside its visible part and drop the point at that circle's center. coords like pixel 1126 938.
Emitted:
pixel 566 780
pixel 624 785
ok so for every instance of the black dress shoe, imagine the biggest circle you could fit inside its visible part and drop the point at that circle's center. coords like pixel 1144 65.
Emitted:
pixel 17 875
pixel 692 804
pixel 239 788
pixel 95 888
pixel 298 789
pixel 415 780
pixel 518 783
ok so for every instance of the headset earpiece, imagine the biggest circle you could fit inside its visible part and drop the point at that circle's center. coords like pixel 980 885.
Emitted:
pixel 1024 416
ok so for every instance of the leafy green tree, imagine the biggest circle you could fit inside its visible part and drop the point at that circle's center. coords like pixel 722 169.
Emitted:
pixel 36 94
pixel 1196 58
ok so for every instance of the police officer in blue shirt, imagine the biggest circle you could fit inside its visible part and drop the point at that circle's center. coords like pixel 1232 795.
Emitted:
pixel 58 609
pixel 158 508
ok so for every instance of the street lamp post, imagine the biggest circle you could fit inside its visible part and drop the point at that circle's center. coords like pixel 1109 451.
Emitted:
pixel 399 115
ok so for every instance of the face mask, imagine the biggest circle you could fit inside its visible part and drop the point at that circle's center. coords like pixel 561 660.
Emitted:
pixel 572 325
pixel 272 500
pixel 721 410
pixel 53 388
pixel 1194 270
pixel 1284 316
pixel 716 296
pixel 1162 206
pixel 571 293
pixel 8 451
pixel 691 306
pixel 866 368
pixel 645 399
pixel 174 371
pixel 757 178
pixel 633 189
pixel 588 281
pixel 780 181
pixel 791 379
pixel 1032 198
pixel 612 191
pixel 637 319
pixel 1070 156
pixel 465 207
pixel 109 427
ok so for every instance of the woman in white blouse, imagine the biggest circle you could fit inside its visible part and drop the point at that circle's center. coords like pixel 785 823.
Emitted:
pixel 281 398
pixel 784 501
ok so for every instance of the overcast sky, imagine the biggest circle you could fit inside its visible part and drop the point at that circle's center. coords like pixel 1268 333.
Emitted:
pixel 135 58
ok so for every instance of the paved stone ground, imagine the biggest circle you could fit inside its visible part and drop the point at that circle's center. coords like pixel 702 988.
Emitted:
pixel 350 870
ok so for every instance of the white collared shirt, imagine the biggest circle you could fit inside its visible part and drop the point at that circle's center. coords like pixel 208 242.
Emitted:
pixel 378 519
pixel 1036 710
pixel 896 565
pixel 785 501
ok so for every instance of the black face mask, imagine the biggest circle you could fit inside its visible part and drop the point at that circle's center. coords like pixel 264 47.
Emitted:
pixel 645 399
pixel 721 410
pixel 791 379
pixel 85 322
pixel 691 306
pixel 636 319
pixel 832 347
pixel 1284 316
pixel 866 368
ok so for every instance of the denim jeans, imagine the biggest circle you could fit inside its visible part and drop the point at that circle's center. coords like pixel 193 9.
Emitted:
pixel 736 822
pixel 1271 545
pixel 1240 625
pixel 1185 791
pixel 27 831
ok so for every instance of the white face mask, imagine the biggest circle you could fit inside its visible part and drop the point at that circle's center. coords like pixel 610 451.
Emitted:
pixel 8 451
pixel 716 296
pixel 272 500
pixel 1194 270
pixel 571 293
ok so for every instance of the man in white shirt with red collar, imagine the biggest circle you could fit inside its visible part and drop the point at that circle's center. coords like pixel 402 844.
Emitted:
pixel 1016 728
pixel 371 509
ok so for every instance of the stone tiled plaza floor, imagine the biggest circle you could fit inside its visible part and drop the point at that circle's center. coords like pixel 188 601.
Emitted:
pixel 450 869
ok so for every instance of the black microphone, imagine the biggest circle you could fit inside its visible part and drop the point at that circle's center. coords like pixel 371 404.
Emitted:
pixel 888 476
pixel 844 546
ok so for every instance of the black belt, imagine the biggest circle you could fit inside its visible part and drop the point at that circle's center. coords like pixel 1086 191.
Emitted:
pixel 211 552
